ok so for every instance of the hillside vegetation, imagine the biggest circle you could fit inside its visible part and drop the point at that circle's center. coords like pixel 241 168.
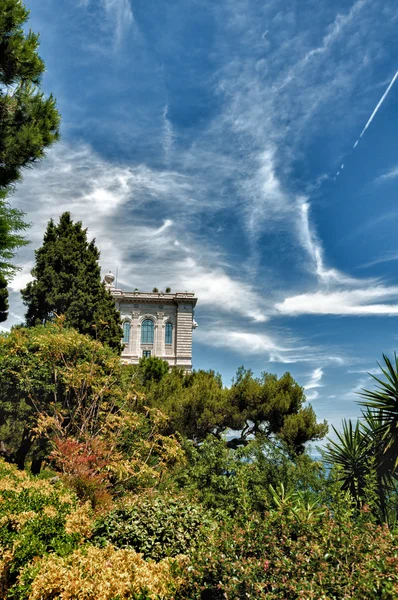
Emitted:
pixel 132 501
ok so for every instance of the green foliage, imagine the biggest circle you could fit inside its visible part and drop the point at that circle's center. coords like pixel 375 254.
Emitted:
pixel 29 122
pixel 350 454
pixel 155 526
pixel 11 224
pixel 271 406
pixel 384 402
pixel 33 515
pixel 197 405
pixel 55 372
pixel 67 281
pixel 237 481
pixel 295 550
pixel 151 369
pixel 366 455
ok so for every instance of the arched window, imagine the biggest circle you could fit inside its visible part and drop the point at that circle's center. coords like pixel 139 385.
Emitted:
pixel 147 332
pixel 169 333
pixel 126 332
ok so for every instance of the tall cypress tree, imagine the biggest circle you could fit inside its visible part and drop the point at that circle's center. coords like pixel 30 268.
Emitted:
pixel 67 281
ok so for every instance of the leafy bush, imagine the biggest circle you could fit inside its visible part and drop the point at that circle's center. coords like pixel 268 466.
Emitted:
pixel 96 573
pixel 237 481
pixel 34 518
pixel 157 527
pixel 296 550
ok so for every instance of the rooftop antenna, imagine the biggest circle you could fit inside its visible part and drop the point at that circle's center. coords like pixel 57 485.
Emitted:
pixel 117 272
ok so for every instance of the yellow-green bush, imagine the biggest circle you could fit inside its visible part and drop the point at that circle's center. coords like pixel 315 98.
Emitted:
pixel 92 573
pixel 36 518
pixel 46 553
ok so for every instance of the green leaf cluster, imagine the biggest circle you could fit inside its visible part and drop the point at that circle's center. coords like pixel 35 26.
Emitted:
pixel 156 526
pixel 32 521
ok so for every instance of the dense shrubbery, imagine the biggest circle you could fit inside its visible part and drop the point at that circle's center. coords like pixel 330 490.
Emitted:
pixel 134 508
pixel 297 547
pixel 156 526
pixel 295 552
pixel 33 521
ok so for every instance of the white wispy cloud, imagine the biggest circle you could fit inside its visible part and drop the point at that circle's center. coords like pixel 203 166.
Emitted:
pixel 168 133
pixel 371 371
pixel 388 176
pixel 118 15
pixel 357 302
pixel 273 106
pixel 354 392
pixel 261 344
pixel 313 383
pixel 215 288
pixel 315 250
pixel 335 30
pixel 135 215
pixel 122 14
pixel 389 257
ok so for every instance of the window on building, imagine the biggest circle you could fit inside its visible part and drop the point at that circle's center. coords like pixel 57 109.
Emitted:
pixel 169 333
pixel 126 332
pixel 146 354
pixel 147 332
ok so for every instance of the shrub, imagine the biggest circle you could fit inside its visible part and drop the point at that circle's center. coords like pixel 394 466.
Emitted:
pixel 34 518
pixel 157 527
pixel 100 573
pixel 295 551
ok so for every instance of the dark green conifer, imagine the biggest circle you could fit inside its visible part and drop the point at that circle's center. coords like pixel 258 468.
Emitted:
pixel 29 122
pixel 67 281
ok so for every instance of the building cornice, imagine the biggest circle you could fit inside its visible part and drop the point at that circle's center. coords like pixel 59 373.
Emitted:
pixel 154 297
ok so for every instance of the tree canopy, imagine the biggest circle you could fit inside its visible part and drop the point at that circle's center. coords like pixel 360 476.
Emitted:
pixel 197 405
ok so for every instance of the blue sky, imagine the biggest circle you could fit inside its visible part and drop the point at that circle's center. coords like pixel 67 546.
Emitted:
pixel 209 146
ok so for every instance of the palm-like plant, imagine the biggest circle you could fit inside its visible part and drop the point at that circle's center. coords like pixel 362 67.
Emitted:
pixel 382 402
pixel 351 454
pixel 372 424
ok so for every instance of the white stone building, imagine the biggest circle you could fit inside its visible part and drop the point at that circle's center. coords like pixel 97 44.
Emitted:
pixel 156 324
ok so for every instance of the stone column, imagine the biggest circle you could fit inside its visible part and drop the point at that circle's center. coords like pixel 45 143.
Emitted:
pixel 160 351
pixel 184 335
pixel 136 331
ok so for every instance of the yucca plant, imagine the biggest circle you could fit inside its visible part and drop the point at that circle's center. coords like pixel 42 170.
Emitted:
pixel 372 424
pixel 382 402
pixel 350 453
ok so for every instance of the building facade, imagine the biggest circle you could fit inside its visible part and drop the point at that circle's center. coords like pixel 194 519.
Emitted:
pixel 156 324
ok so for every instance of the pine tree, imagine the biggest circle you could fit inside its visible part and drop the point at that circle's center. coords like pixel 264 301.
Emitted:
pixel 67 281
pixel 3 299
pixel 29 122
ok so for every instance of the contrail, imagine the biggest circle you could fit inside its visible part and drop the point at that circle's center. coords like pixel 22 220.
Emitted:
pixel 372 116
